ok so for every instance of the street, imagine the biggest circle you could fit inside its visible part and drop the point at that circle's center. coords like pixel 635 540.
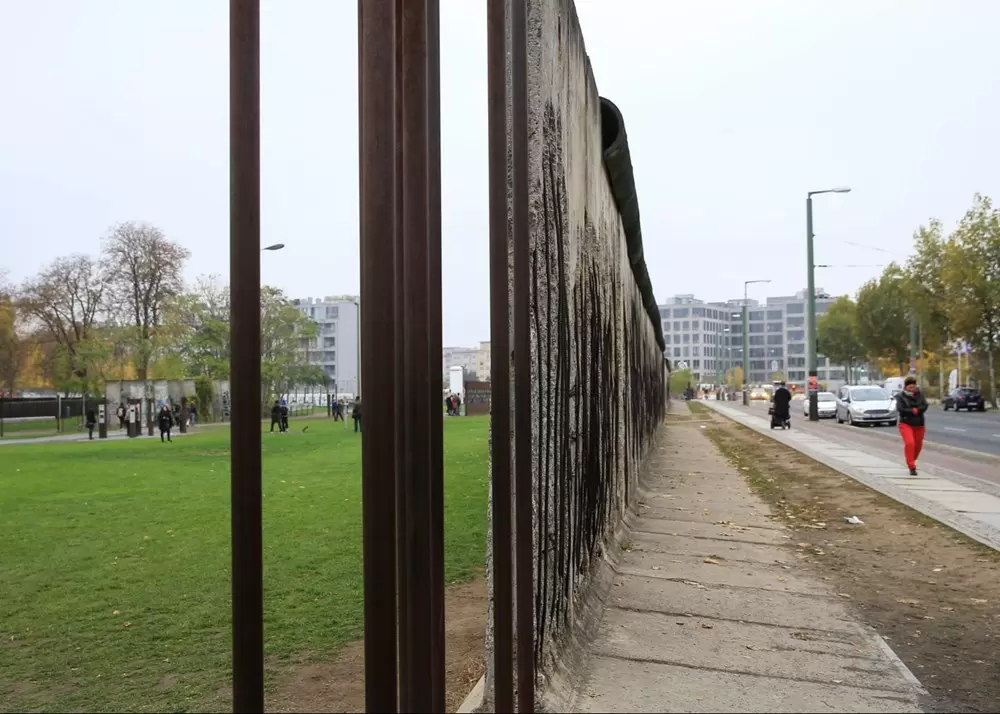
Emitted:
pixel 976 431
pixel 977 466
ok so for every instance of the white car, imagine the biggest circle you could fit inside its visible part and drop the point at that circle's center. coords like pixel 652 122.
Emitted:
pixel 826 405
pixel 866 405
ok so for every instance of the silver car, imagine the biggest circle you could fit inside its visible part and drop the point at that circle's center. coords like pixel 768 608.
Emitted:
pixel 866 405
pixel 826 405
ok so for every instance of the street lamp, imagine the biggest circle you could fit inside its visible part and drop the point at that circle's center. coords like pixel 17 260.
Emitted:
pixel 276 246
pixel 813 382
pixel 746 340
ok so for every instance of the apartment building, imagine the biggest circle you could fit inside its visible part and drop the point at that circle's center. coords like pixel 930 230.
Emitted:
pixel 708 338
pixel 336 347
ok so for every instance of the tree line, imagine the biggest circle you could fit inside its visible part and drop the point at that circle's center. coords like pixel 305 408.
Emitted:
pixel 949 287
pixel 127 313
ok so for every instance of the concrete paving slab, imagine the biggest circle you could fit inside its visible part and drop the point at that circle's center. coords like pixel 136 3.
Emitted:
pixel 750 575
pixel 974 502
pixel 665 688
pixel 747 648
pixel 990 519
pixel 731 550
pixel 738 532
pixel 710 513
pixel 770 607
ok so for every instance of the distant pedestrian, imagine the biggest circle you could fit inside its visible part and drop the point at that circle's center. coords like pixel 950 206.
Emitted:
pixel 91 421
pixel 284 415
pixel 276 415
pixel 356 415
pixel 121 415
pixel 335 410
pixel 165 421
pixel 911 404
pixel 458 405
pixel 192 415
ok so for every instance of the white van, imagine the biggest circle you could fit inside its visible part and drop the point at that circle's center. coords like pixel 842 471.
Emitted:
pixel 893 385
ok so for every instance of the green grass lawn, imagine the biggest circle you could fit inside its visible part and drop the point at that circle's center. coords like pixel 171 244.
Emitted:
pixel 115 559
pixel 35 427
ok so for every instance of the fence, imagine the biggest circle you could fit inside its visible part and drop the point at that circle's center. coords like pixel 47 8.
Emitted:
pixel 571 331
pixel 42 416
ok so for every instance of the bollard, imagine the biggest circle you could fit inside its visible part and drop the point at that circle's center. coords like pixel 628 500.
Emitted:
pixel 185 414
pixel 102 419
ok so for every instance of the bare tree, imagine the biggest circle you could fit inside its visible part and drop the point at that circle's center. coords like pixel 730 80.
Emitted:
pixel 144 274
pixel 65 301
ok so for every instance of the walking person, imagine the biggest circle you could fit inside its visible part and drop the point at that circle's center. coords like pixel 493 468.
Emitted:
pixel 284 415
pixel 165 420
pixel 192 415
pixel 121 415
pixel 356 414
pixel 91 422
pixel 911 405
pixel 276 415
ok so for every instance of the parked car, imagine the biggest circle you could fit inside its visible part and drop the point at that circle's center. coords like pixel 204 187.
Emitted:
pixel 866 405
pixel 826 405
pixel 964 398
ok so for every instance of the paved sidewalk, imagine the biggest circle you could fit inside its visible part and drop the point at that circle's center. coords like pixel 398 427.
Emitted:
pixel 711 612
pixel 78 436
pixel 940 494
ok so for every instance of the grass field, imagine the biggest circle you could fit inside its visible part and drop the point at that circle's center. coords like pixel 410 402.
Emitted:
pixel 115 557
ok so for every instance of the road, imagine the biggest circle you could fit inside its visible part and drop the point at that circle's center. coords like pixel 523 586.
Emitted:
pixel 965 444
pixel 978 431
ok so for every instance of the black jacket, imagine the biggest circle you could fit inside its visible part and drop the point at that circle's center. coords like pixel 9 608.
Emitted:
pixel 782 401
pixel 906 403
pixel 165 420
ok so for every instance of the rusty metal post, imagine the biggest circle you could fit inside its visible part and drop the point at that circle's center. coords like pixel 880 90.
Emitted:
pixel 417 410
pixel 377 172
pixel 244 270
pixel 402 486
pixel 434 335
pixel 522 360
pixel 503 605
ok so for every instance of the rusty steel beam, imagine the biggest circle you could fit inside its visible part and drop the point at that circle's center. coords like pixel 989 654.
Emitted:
pixel 522 359
pixel 377 171
pixel 435 339
pixel 244 275
pixel 402 489
pixel 245 445
pixel 417 410
pixel 503 604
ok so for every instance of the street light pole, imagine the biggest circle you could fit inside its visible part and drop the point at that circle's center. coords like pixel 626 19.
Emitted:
pixel 746 339
pixel 812 384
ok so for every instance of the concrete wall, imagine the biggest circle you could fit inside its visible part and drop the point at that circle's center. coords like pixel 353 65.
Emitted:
pixel 597 371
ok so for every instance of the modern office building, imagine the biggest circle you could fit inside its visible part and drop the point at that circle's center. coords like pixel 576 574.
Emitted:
pixel 707 337
pixel 337 346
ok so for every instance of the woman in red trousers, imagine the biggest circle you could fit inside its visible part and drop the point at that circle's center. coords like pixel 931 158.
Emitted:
pixel 911 405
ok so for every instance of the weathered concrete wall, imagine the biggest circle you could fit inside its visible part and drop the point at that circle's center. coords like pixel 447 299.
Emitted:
pixel 597 360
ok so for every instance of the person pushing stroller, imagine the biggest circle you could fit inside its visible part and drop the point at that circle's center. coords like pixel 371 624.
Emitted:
pixel 781 402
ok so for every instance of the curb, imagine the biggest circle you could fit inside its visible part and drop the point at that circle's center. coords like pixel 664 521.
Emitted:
pixel 966 526
pixel 474 699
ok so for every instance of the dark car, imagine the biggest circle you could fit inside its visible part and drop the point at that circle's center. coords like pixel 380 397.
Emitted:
pixel 964 398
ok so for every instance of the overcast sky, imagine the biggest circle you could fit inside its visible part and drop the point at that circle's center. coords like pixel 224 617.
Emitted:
pixel 118 109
